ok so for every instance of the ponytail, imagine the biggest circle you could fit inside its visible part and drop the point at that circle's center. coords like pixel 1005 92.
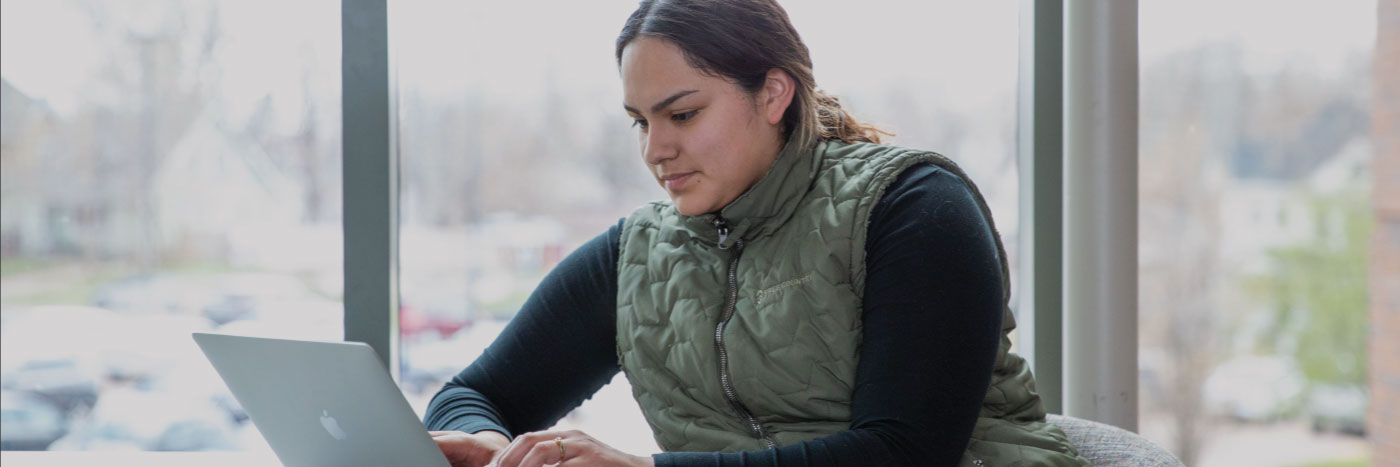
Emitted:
pixel 834 122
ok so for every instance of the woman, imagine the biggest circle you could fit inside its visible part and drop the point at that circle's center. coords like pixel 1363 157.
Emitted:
pixel 807 296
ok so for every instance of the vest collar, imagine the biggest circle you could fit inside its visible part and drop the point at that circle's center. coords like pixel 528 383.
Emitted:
pixel 766 205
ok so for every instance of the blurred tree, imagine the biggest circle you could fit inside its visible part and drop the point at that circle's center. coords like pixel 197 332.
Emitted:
pixel 1318 288
pixel 1209 125
pixel 94 168
pixel 1189 117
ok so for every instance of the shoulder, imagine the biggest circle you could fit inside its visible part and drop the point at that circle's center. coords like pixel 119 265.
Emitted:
pixel 879 164
pixel 899 173
pixel 925 183
pixel 895 173
pixel 930 202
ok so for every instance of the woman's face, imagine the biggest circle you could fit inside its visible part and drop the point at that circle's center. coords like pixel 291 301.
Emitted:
pixel 703 138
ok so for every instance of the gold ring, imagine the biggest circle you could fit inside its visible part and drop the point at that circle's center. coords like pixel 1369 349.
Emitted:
pixel 560 442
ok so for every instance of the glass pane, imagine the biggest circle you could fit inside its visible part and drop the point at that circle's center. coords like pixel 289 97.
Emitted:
pixel 1255 192
pixel 168 167
pixel 515 148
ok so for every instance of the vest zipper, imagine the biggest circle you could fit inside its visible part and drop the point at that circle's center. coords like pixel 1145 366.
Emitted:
pixel 730 302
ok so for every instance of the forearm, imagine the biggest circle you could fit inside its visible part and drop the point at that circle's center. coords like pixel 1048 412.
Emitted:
pixel 458 408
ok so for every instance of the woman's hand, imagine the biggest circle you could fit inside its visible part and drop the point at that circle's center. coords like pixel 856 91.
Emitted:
pixel 470 450
pixel 565 449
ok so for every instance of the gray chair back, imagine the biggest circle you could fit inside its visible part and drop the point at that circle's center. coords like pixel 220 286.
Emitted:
pixel 1107 445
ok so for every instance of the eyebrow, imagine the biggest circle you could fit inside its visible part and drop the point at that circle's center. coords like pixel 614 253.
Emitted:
pixel 664 102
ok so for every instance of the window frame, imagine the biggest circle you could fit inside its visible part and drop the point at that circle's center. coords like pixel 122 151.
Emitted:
pixel 370 177
pixel 1039 107
pixel 1055 60
pixel 370 180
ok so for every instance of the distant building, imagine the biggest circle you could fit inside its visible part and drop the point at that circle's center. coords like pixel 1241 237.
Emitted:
pixel 214 188
pixel 1258 215
pixel 24 122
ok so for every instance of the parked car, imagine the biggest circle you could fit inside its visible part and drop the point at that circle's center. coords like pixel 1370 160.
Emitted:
pixel 243 295
pixel 1254 388
pixel 155 293
pixel 134 420
pixel 1340 408
pixel 28 422
pixel 52 352
pixel 428 361
pixel 150 345
pixel 65 383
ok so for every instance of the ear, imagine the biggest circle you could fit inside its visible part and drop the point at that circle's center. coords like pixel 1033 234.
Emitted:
pixel 778 88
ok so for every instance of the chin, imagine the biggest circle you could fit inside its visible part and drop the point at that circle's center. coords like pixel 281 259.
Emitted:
pixel 688 211
pixel 689 208
pixel 692 213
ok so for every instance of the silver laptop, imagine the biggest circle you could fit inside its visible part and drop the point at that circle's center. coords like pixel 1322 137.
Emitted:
pixel 321 403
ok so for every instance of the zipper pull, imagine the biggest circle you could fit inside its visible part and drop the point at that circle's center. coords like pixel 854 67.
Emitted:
pixel 723 227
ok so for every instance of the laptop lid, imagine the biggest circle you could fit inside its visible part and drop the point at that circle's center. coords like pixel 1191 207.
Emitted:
pixel 321 403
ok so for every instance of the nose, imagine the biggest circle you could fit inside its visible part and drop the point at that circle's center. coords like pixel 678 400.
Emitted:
pixel 658 146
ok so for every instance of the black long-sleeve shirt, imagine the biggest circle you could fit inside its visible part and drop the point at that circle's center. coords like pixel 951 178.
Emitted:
pixel 931 318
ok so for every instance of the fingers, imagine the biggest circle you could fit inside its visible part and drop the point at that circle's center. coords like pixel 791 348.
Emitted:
pixel 538 449
pixel 462 449
pixel 521 447
pixel 455 446
pixel 544 453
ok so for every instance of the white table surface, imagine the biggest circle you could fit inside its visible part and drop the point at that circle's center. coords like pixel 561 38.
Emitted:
pixel 151 459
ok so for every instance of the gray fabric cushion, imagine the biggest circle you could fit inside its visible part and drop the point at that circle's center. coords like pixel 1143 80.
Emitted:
pixel 1108 445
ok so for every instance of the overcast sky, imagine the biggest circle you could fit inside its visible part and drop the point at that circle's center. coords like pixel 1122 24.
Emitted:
pixel 514 49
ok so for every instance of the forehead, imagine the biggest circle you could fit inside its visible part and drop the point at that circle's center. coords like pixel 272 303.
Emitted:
pixel 653 69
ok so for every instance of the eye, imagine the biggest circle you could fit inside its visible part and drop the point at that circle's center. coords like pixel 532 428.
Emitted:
pixel 683 116
pixel 639 123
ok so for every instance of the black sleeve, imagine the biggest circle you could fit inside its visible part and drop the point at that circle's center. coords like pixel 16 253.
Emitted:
pixel 932 324
pixel 552 356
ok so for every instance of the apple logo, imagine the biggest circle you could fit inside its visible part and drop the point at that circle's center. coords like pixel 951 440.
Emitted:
pixel 331 426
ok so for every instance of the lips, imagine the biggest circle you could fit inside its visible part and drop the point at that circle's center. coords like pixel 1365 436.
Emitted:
pixel 675 181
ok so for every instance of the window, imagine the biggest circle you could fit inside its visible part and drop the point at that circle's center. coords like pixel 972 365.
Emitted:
pixel 1255 141
pixel 515 148
pixel 168 167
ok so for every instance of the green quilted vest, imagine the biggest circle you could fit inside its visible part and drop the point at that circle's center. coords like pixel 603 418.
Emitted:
pixel 741 330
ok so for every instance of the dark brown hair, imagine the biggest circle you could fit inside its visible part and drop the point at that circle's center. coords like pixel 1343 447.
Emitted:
pixel 741 40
